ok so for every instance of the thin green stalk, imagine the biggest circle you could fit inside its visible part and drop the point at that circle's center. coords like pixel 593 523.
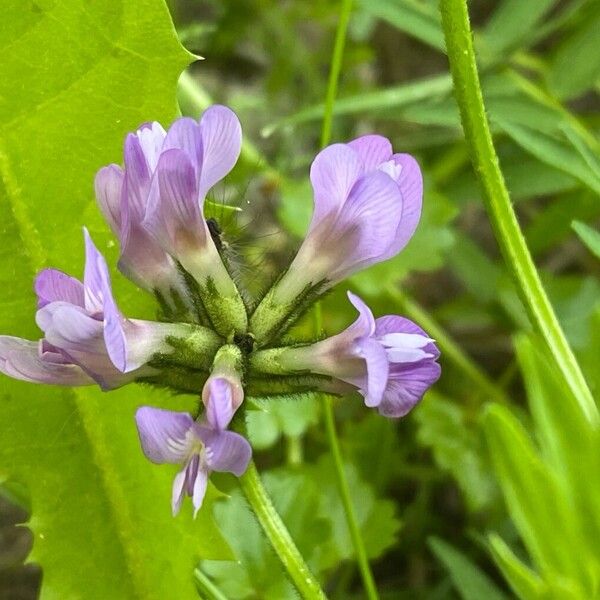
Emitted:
pixel 342 481
pixel 467 89
pixel 334 73
pixel 207 588
pixel 451 351
pixel 270 521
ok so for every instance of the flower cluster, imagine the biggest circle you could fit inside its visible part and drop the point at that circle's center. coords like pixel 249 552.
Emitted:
pixel 367 204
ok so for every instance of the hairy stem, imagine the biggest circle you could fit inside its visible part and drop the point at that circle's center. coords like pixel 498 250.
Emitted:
pixel 467 89
pixel 277 533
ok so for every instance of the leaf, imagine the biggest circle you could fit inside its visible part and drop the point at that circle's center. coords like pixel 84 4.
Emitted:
pixel 87 73
pixel 590 237
pixel 456 449
pixel 576 64
pixel 470 582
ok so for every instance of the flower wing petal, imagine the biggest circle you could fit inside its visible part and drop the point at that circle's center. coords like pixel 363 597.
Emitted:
pixel 372 150
pixel 52 285
pixel 228 451
pixel 109 187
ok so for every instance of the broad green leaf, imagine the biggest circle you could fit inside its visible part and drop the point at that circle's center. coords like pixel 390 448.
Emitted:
pixel 590 237
pixel 470 582
pixel 87 73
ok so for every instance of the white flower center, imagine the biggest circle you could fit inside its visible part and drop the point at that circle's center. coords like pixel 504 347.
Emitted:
pixel 405 347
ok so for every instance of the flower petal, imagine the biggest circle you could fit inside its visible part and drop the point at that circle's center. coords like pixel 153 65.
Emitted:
pixel 137 177
pixel 21 359
pixel 184 134
pixel 406 386
pixel 333 173
pixel 221 135
pixel 151 137
pixel 52 285
pixel 199 490
pixel 365 324
pixel 166 436
pixel 178 492
pixel 228 451
pixel 219 406
pixel 392 324
pixel 377 371
pixel 372 150
pixel 410 183
pixel 173 216
pixel 109 186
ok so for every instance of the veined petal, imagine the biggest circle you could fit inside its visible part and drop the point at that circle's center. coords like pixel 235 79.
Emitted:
pixel 219 406
pixel 372 150
pixel 410 183
pixel 165 436
pixel 367 223
pixel 178 492
pixel 151 137
pixel 199 490
pixel 52 285
pixel 406 385
pixel 94 276
pixel 21 359
pixel 137 177
pixel 184 134
pixel 173 215
pixel 365 324
pixel 109 188
pixel 377 371
pixel 228 451
pixel 333 173
pixel 221 135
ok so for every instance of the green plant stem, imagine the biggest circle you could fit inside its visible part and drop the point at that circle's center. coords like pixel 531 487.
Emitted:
pixel 451 351
pixel 467 89
pixel 277 533
pixel 207 588
pixel 334 73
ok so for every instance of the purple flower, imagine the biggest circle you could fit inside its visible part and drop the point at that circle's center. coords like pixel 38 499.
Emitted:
pixel 155 205
pixel 201 447
pixel 390 360
pixel 367 204
pixel 86 338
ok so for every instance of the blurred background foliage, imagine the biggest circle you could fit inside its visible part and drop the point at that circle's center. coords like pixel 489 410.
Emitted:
pixel 427 489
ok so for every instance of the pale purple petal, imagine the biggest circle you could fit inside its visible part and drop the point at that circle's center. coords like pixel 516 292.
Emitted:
pixel 219 406
pixel 185 135
pixel 406 386
pixel 372 150
pixel 377 371
pixel 109 187
pixel 94 274
pixel 52 285
pixel 410 183
pixel 137 178
pixel 166 436
pixel 178 491
pixel 199 490
pixel 367 224
pixel 333 174
pixel 174 217
pixel 151 137
pixel 21 359
pixel 391 324
pixel 221 135
pixel 228 451
pixel 365 324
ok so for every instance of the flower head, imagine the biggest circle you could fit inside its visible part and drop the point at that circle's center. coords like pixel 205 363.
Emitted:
pixel 390 360
pixel 86 338
pixel 367 204
pixel 155 204
pixel 200 447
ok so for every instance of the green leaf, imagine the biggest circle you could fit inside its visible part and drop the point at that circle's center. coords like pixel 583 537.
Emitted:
pixel 457 450
pixel 470 582
pixel 576 65
pixel 590 237
pixel 87 73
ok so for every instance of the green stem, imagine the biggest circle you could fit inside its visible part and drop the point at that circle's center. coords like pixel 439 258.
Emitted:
pixel 277 533
pixel 207 588
pixel 334 73
pixel 467 89
pixel 451 351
